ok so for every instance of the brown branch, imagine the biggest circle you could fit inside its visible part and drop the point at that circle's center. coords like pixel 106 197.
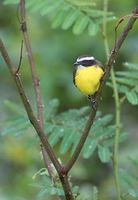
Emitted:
pixel 42 135
pixel 63 177
pixel 92 115
pixel 31 116
pixel 37 123
pixel 48 164
pixel 36 82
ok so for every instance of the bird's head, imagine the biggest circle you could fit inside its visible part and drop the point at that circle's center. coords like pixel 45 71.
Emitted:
pixel 85 61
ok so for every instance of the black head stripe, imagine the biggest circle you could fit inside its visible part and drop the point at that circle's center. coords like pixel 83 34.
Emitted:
pixel 87 63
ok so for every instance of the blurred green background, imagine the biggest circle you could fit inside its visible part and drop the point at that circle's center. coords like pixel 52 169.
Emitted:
pixel 55 51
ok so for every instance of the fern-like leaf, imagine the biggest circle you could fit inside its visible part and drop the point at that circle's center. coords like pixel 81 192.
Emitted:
pixel 76 14
pixel 127 82
pixel 66 128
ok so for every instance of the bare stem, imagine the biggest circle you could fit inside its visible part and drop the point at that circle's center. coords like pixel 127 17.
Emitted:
pixel 66 186
pixel 31 116
pixel 117 105
pixel 35 79
pixel 42 135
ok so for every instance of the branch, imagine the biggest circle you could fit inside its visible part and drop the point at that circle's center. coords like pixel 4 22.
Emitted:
pixel 93 111
pixel 36 81
pixel 37 123
pixel 42 135
pixel 31 116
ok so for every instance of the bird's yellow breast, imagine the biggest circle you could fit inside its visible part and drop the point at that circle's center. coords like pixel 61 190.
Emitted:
pixel 87 79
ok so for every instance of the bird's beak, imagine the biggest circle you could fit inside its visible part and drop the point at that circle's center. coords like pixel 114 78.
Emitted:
pixel 76 63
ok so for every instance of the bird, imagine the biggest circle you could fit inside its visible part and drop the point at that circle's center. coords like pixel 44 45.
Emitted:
pixel 87 75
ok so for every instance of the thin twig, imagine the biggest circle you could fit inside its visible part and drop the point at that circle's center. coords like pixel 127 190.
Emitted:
pixel 36 82
pixel 35 78
pixel 20 60
pixel 120 22
pixel 92 115
pixel 45 158
pixel 42 135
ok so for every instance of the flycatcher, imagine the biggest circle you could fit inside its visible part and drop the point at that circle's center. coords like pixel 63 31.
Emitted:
pixel 87 75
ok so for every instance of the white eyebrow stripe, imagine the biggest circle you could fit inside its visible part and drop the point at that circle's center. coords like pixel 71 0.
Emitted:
pixel 85 58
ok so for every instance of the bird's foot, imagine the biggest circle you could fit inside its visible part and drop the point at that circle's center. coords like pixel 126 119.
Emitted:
pixel 92 101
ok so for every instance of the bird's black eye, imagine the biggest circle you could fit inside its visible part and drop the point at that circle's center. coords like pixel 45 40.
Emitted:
pixel 88 62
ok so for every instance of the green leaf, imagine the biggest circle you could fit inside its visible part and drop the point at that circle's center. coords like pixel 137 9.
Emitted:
pixel 106 132
pixel 132 98
pixel 95 193
pixel 49 127
pixel 15 127
pixel 51 191
pixel 51 7
pixel 56 135
pixel 82 3
pixel 104 153
pixel 67 141
pixel 75 190
pixel 128 178
pixel 66 13
pixel 11 2
pixel 58 19
pixel 131 66
pixel 110 142
pixel 74 146
pixel 125 81
pixel 70 18
pixel 128 74
pixel 123 89
pixel 88 192
pixel 80 24
pixel 136 89
pixel 101 121
pixel 51 108
pixel 89 147
pixel 14 108
pixel 93 28
pixel 33 6
pixel 133 193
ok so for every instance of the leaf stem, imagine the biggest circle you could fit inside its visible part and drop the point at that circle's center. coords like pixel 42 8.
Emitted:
pixel 117 136
pixel 117 106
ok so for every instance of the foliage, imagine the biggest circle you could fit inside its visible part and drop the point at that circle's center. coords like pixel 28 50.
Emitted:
pixel 129 178
pixel 88 193
pixel 79 15
pixel 66 128
pixel 127 83
pixel 47 187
